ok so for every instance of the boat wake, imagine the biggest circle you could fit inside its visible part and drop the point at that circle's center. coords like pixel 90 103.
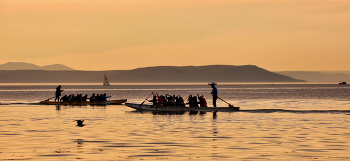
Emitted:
pixel 19 103
pixel 295 111
pixel 347 112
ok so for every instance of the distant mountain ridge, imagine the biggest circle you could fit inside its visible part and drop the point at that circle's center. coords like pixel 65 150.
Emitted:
pixel 160 74
pixel 21 72
pixel 216 73
pixel 29 66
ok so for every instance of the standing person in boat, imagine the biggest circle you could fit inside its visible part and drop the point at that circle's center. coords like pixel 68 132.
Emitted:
pixel 214 92
pixel 58 93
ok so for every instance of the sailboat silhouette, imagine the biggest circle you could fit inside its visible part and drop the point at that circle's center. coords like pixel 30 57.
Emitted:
pixel 105 81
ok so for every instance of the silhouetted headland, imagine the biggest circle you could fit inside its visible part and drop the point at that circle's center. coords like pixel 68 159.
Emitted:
pixel 160 74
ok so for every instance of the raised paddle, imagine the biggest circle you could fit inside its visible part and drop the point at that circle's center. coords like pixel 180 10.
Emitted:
pixel 187 98
pixel 146 99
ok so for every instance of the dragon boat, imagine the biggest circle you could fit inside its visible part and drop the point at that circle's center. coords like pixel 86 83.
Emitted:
pixel 109 102
pixel 180 108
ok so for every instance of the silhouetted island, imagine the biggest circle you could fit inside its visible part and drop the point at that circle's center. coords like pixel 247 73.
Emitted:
pixel 159 74
pixel 30 66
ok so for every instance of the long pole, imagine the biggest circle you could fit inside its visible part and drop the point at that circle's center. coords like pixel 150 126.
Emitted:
pixel 226 102
pixel 50 98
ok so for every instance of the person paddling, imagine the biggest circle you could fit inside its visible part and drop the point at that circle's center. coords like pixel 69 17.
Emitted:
pixel 58 93
pixel 214 92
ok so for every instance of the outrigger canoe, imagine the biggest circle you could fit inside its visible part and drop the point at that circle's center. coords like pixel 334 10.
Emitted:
pixel 179 108
pixel 111 102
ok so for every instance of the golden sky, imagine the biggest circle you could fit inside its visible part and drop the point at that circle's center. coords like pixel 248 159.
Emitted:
pixel 275 35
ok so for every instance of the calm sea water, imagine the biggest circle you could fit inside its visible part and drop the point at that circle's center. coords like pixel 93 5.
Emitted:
pixel 277 122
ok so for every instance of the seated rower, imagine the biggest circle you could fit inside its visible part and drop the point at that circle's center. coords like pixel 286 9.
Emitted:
pixel 202 101
pixel 78 98
pixel 161 100
pixel 170 100
pixel 84 98
pixel 104 97
pixel 64 99
pixel 71 98
pixel 179 101
pixel 192 101
pixel 98 98
pixel 92 98
pixel 154 100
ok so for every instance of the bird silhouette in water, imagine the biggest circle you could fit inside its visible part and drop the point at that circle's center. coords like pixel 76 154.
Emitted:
pixel 80 123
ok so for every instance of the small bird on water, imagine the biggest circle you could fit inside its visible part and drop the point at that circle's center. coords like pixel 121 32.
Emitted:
pixel 80 123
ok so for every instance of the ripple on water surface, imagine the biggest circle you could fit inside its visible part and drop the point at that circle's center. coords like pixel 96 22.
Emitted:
pixel 33 132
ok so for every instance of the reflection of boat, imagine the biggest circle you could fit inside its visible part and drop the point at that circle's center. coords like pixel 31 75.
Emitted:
pixel 342 83
pixel 179 108
pixel 168 113
pixel 117 101
pixel 111 102
pixel 105 81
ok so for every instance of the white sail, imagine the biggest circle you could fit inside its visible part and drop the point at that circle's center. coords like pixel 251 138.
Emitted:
pixel 105 81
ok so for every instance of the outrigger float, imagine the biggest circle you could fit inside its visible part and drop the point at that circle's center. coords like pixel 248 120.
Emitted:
pixel 180 108
pixel 110 102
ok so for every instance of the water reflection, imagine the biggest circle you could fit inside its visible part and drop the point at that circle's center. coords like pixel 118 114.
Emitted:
pixel 79 142
pixel 58 107
pixel 116 133
pixel 167 113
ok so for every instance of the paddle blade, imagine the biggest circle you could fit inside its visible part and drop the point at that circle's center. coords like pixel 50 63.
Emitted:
pixel 231 106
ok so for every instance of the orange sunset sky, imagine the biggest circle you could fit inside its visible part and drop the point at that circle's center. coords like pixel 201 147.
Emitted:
pixel 125 34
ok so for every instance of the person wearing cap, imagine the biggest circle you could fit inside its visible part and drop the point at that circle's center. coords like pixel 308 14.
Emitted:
pixel 214 92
